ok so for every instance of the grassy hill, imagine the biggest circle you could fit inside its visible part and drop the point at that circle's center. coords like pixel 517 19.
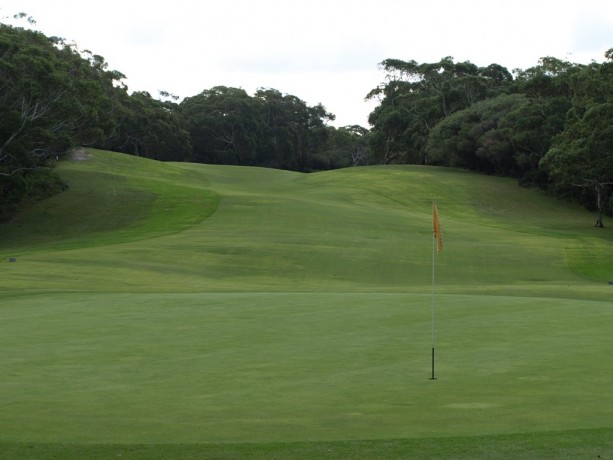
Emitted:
pixel 183 306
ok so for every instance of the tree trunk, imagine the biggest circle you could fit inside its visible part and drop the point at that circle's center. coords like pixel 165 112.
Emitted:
pixel 599 223
pixel 601 199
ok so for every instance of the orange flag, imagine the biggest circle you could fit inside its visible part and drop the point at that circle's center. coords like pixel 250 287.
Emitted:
pixel 436 228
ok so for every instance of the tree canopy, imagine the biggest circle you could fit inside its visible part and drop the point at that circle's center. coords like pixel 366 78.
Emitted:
pixel 51 98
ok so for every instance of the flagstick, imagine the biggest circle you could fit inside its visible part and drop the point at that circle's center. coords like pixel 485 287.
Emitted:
pixel 433 259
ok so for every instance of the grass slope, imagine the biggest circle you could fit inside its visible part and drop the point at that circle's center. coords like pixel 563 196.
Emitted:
pixel 173 305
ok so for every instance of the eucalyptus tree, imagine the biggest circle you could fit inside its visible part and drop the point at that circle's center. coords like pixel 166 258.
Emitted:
pixel 307 132
pixel 271 129
pixel 52 97
pixel 532 127
pixel 342 147
pixel 149 127
pixel 582 154
pixel 224 124
pixel 277 110
pixel 356 144
pixel 417 96
pixel 478 137
pixel 292 131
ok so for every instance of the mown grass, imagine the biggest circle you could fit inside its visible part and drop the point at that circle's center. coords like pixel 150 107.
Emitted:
pixel 111 198
pixel 174 310
pixel 563 445
pixel 289 367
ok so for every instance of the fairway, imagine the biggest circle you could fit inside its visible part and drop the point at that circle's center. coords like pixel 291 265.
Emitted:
pixel 169 303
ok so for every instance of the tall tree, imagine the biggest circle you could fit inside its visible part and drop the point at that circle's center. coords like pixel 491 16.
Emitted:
pixel 477 138
pixel 418 96
pixel 276 148
pixel 582 156
pixel 268 129
pixel 149 127
pixel 51 99
pixel 352 143
pixel 224 124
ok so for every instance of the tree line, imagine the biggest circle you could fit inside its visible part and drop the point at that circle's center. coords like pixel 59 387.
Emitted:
pixel 550 125
pixel 54 97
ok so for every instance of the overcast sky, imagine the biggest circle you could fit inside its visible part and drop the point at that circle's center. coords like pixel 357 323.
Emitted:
pixel 318 50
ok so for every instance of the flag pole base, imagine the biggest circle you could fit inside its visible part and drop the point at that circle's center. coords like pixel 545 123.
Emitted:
pixel 433 377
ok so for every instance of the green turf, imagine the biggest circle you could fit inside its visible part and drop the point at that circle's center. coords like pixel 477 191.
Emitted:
pixel 562 445
pixel 208 310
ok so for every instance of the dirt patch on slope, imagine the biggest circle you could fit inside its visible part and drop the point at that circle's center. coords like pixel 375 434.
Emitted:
pixel 79 155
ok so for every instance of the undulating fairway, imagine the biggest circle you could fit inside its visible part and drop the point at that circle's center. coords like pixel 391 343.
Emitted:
pixel 165 310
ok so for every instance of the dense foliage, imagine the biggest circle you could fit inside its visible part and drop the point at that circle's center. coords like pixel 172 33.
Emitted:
pixel 228 126
pixel 51 99
pixel 54 97
pixel 549 125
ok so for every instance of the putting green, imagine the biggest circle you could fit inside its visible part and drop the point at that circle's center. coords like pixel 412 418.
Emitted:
pixel 139 368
